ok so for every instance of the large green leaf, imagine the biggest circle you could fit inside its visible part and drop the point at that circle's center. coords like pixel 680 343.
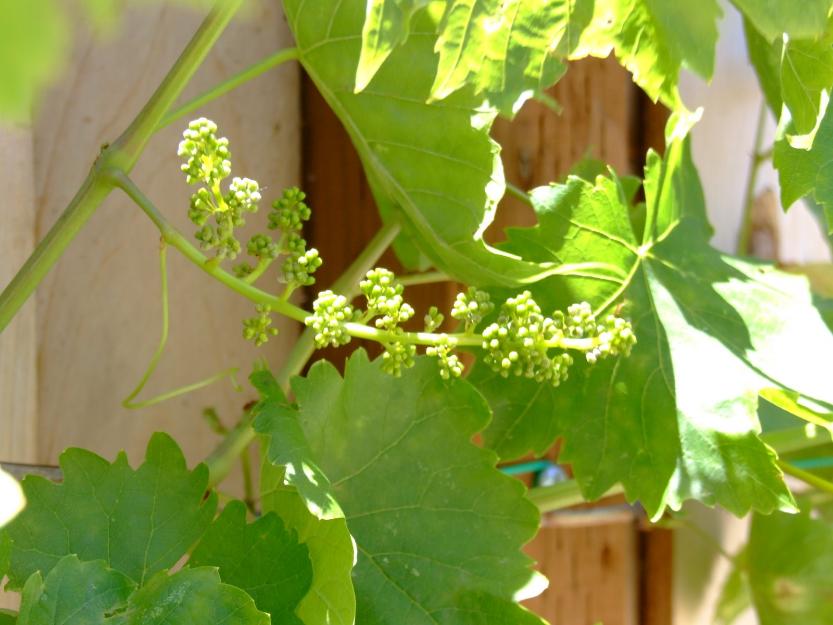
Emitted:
pixel 263 558
pixel 139 522
pixel 189 597
pixel 677 419
pixel 288 447
pixel 33 38
pixel 438 528
pixel 432 164
pixel 74 593
pixel 806 78
pixel 653 39
pixel 790 563
pixel 801 20
pixel 807 172
pixel 331 598
pixel 765 57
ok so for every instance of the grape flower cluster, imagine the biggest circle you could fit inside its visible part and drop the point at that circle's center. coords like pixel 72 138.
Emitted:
pixel 217 213
pixel 520 341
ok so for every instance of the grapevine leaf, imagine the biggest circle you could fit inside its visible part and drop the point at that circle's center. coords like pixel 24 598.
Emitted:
pixel 765 57
pixel 331 598
pixel 735 596
pixel 275 417
pixel 806 74
pixel 193 596
pixel 386 26
pixel 139 522
pixel 7 617
pixel 74 593
pixel 653 39
pixel 791 569
pixel 509 51
pixel 438 528
pixel 434 164
pixel 5 554
pixel 263 558
pixel 804 172
pixel 800 20
pixel 11 498
pixel 677 419
pixel 33 37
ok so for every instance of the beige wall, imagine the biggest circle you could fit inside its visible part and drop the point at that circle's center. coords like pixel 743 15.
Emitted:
pixel 83 341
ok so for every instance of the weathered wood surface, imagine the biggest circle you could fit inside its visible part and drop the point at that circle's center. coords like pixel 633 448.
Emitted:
pixel 98 312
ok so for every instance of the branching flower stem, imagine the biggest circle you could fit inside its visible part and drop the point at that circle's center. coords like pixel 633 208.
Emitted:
pixel 122 154
pixel 281 306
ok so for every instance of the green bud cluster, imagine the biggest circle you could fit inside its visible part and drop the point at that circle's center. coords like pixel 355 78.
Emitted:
pixel 517 342
pixel 259 328
pixel 330 312
pixel 387 305
pixel 522 341
pixel 615 336
pixel 472 307
pixel 288 214
pixel 433 319
pixel 216 214
pixel 449 363
pixel 384 299
pixel 208 157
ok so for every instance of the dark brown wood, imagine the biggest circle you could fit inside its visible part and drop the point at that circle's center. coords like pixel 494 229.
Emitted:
pixel 656 582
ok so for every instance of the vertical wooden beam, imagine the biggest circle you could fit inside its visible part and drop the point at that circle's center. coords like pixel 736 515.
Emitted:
pixel 18 346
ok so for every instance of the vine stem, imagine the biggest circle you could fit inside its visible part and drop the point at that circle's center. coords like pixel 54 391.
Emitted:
pixel 261 67
pixel 563 495
pixel 806 477
pixel 223 457
pixel 429 277
pixel 745 233
pixel 122 154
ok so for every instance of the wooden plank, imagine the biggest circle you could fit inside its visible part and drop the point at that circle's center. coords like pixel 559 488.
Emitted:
pixel 592 568
pixel 99 309
pixel 18 380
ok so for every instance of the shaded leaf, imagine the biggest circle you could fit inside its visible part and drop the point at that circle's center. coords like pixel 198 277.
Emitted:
pixel 677 419
pixel 807 172
pixel 806 77
pixel 7 617
pixel 800 20
pixel 438 528
pixel 263 558
pixel 735 597
pixel 791 569
pixel 74 593
pixel 33 39
pixel 139 522
pixel 765 57
pixel 189 597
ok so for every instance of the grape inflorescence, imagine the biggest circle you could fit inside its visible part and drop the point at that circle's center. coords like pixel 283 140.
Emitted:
pixel 519 340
